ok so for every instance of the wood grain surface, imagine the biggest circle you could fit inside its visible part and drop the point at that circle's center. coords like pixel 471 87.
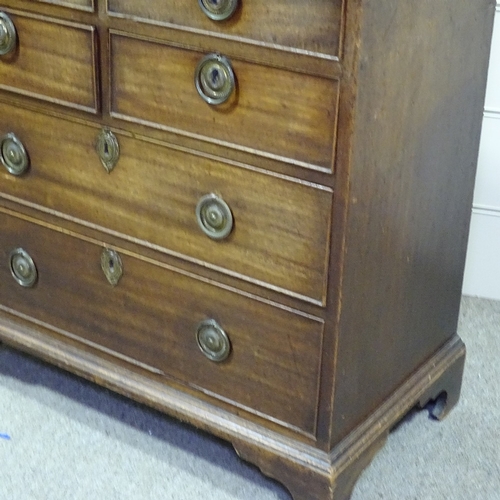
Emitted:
pixel 415 146
pixel 308 26
pixel 347 155
pixel 281 226
pixel 272 112
pixel 151 316
pixel 54 61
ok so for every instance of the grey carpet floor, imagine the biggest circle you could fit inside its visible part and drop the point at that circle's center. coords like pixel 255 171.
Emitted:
pixel 62 438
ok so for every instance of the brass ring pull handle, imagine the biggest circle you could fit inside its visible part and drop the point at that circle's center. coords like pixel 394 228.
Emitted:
pixel 23 268
pixel 13 154
pixel 214 217
pixel 218 10
pixel 214 79
pixel 111 265
pixel 213 340
pixel 108 149
pixel 8 35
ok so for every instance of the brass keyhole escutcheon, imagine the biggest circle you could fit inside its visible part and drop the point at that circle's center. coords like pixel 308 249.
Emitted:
pixel 13 154
pixel 111 265
pixel 108 149
pixel 23 268
pixel 214 79
pixel 213 341
pixel 218 10
pixel 214 217
pixel 8 35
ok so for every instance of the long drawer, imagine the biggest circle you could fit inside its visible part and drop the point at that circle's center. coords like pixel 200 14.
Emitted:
pixel 316 25
pixel 280 226
pixel 154 316
pixel 52 60
pixel 272 112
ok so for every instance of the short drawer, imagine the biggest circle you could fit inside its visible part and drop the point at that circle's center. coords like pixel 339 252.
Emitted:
pixel 157 317
pixel 52 60
pixel 305 26
pixel 272 112
pixel 280 233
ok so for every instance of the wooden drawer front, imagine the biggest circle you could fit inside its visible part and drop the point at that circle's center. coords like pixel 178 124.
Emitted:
pixel 281 227
pixel 307 26
pixel 152 315
pixel 87 5
pixel 54 61
pixel 275 113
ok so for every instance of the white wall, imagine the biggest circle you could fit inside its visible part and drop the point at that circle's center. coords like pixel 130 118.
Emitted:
pixel 482 270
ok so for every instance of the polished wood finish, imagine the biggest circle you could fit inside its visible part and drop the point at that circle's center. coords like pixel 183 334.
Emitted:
pixel 408 214
pixel 152 193
pixel 303 108
pixel 73 295
pixel 45 44
pixel 308 472
pixel 347 156
pixel 316 28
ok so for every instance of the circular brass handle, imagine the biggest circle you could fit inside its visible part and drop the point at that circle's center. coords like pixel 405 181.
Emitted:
pixel 214 79
pixel 23 268
pixel 13 154
pixel 214 217
pixel 108 149
pixel 218 10
pixel 213 340
pixel 8 35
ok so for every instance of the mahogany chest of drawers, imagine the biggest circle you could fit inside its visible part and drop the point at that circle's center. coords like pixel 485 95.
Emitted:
pixel 250 214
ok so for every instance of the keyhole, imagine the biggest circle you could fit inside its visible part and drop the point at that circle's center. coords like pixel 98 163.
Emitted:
pixel 106 148
pixel 111 264
pixel 215 77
